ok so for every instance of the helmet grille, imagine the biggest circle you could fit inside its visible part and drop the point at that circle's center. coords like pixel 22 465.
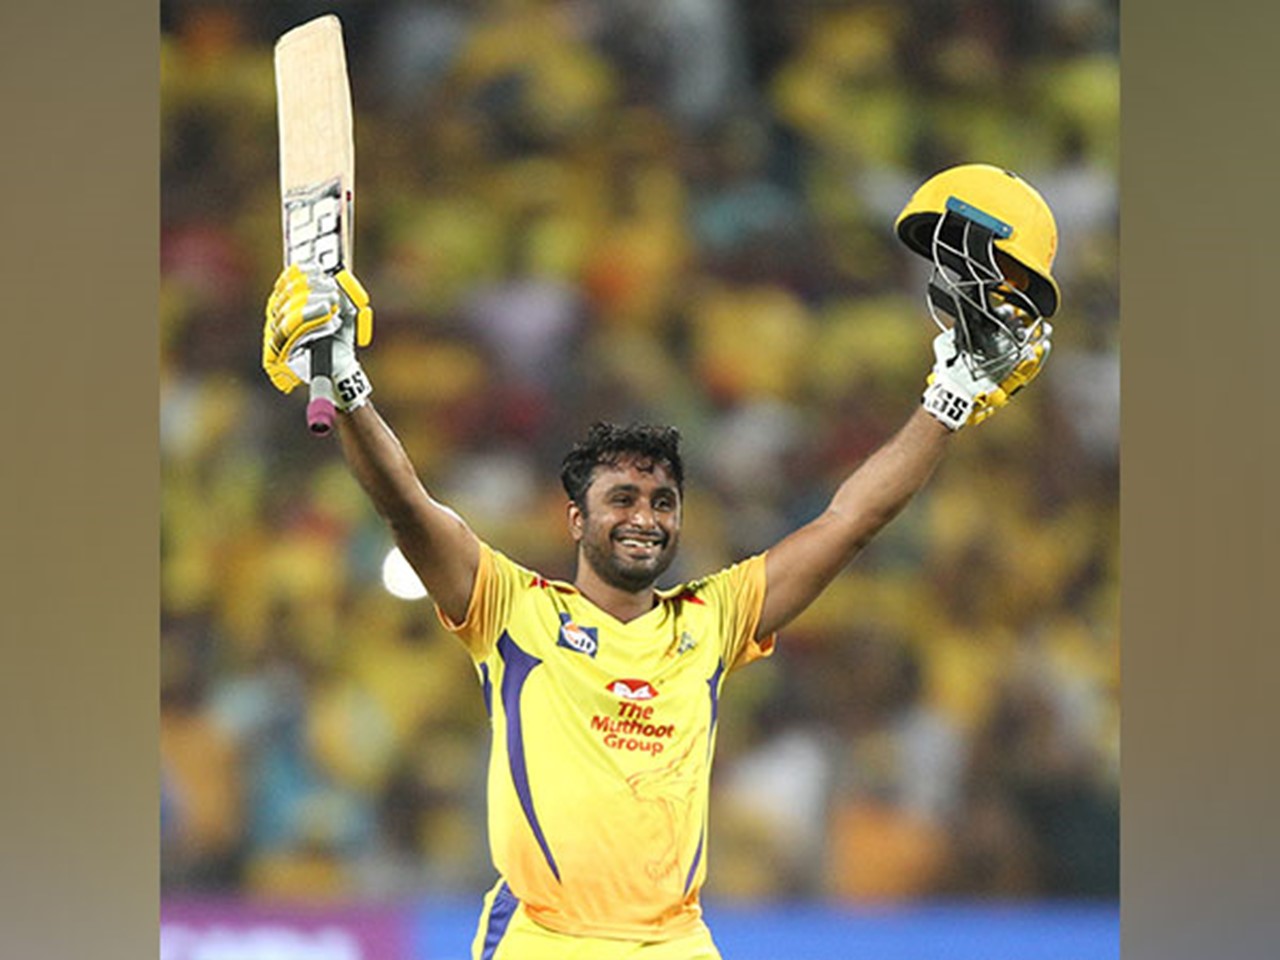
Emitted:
pixel 992 317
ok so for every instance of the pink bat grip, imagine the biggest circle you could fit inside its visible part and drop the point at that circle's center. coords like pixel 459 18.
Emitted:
pixel 320 408
pixel 320 415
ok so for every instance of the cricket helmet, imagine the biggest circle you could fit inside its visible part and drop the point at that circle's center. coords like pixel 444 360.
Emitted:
pixel 1027 231
pixel 970 221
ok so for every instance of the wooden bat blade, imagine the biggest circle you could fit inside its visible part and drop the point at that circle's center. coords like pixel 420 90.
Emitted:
pixel 317 170
pixel 313 108
pixel 313 103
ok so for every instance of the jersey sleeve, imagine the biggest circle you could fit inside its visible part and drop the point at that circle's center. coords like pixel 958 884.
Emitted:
pixel 498 581
pixel 738 591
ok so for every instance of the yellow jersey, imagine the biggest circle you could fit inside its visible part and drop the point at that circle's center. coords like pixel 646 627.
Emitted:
pixel 603 734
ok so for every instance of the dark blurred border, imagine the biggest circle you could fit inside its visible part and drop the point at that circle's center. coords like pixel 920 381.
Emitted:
pixel 1201 783
pixel 77 682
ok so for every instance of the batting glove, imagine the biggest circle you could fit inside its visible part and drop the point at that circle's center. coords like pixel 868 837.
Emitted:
pixel 955 395
pixel 307 305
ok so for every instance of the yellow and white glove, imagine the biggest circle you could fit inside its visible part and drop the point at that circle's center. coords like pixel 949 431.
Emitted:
pixel 305 306
pixel 955 395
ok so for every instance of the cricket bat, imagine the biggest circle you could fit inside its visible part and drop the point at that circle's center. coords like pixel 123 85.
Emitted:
pixel 317 171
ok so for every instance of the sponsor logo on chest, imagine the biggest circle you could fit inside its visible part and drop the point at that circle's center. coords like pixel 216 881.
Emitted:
pixel 632 689
pixel 633 727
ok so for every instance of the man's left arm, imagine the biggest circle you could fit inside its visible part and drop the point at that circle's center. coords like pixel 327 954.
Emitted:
pixel 800 566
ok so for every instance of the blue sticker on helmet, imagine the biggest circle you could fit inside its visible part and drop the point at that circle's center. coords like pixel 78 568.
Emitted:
pixel 970 212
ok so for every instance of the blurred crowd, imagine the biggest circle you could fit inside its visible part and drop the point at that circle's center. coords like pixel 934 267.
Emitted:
pixel 670 210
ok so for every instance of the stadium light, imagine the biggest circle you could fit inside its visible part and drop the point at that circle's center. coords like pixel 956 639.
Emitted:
pixel 399 579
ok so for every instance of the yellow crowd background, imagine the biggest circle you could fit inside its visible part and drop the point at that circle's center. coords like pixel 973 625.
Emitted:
pixel 671 210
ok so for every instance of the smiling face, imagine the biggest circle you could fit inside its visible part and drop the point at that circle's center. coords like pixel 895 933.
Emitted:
pixel 628 526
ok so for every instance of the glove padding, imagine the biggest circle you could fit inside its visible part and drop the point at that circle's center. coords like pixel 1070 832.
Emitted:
pixel 307 305
pixel 956 395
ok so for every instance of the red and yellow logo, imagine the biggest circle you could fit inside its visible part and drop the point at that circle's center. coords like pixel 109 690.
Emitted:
pixel 632 689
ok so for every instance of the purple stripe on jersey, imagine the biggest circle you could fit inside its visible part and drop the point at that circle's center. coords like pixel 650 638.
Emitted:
pixel 487 685
pixel 504 908
pixel 518 667
pixel 697 859
pixel 714 684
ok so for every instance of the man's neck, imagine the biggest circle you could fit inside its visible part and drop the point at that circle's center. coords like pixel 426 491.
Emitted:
pixel 623 605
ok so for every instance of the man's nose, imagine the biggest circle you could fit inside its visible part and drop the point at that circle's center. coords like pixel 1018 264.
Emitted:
pixel 643 516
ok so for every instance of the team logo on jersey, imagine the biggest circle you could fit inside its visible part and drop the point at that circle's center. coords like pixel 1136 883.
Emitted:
pixel 679 648
pixel 632 689
pixel 582 639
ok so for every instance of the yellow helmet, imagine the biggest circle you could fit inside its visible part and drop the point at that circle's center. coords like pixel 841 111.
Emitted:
pixel 1021 222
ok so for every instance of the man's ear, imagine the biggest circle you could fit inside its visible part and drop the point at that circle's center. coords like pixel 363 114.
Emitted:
pixel 577 520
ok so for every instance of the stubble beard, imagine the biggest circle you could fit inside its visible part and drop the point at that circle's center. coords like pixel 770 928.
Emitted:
pixel 633 576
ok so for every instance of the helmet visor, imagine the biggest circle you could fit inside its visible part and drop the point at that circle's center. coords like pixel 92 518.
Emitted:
pixel 984 300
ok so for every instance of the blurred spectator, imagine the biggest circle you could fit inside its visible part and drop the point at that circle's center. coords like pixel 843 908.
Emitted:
pixel 202 807
pixel 1060 810
pixel 897 786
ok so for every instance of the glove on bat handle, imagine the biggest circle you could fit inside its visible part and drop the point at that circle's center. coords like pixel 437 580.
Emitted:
pixel 320 408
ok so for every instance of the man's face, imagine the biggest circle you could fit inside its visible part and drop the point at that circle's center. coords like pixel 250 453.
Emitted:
pixel 630 528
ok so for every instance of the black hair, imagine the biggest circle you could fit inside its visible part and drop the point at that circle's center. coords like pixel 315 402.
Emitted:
pixel 606 444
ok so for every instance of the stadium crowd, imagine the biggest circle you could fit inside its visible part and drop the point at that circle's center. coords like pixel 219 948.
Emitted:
pixel 671 210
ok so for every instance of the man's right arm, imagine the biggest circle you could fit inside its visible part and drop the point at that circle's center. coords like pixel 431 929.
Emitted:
pixel 438 544
pixel 307 305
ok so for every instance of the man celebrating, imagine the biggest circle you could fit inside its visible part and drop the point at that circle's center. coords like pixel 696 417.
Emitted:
pixel 603 692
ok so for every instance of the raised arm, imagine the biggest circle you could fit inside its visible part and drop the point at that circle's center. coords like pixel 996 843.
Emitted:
pixel 801 565
pixel 306 306
pixel 991 239
pixel 438 544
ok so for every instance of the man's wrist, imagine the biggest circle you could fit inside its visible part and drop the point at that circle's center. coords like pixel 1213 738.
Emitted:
pixel 351 389
pixel 945 403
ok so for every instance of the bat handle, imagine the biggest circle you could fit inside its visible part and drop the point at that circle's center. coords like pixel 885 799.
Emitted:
pixel 320 408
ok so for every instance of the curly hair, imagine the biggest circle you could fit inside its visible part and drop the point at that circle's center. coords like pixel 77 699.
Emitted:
pixel 606 444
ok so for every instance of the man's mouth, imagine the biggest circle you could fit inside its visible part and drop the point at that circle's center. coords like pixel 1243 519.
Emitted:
pixel 639 543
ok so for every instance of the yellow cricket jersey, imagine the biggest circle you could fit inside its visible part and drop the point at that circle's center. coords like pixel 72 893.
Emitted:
pixel 603 734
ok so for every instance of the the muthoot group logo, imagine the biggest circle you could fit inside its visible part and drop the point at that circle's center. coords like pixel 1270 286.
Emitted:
pixel 634 728
pixel 632 689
